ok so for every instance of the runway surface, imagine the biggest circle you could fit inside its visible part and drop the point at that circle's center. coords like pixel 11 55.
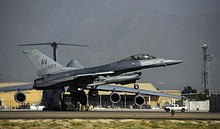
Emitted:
pixel 108 115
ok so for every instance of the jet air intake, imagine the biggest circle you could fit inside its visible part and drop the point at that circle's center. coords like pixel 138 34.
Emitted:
pixel 115 97
pixel 20 97
pixel 139 100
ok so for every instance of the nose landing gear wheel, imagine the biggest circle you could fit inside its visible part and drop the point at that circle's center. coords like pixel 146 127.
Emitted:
pixel 136 86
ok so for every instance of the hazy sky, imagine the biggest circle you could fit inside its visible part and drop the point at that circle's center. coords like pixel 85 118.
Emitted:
pixel 116 29
pixel 187 7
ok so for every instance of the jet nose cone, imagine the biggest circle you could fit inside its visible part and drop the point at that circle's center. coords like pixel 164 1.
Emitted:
pixel 172 62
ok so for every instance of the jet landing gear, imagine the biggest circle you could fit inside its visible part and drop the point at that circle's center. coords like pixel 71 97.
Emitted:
pixel 136 86
pixel 75 101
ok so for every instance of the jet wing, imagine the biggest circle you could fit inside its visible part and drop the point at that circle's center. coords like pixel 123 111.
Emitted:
pixel 132 90
pixel 18 87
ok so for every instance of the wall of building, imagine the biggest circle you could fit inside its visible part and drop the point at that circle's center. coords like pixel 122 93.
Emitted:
pixel 214 104
pixel 197 105
pixel 164 101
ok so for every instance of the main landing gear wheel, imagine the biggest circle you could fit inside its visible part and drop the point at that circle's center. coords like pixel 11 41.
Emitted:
pixel 75 101
pixel 136 86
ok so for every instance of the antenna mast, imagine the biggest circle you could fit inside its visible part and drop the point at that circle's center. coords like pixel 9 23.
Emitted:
pixel 207 58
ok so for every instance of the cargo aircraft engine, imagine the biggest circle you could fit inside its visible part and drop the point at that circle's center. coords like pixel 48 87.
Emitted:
pixel 20 97
pixel 115 97
pixel 139 100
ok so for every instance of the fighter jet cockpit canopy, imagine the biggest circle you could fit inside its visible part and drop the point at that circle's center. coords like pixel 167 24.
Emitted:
pixel 141 57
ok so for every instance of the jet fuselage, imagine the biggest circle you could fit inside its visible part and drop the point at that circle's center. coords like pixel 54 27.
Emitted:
pixel 126 70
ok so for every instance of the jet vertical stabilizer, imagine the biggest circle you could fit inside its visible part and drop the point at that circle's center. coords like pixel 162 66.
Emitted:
pixel 42 63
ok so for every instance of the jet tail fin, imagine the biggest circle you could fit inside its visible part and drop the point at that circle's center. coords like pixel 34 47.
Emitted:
pixel 42 63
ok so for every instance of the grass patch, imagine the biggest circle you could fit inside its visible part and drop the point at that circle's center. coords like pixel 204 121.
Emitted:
pixel 75 123
pixel 107 124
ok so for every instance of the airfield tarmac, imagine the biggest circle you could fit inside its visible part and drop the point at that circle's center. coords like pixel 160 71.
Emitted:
pixel 108 115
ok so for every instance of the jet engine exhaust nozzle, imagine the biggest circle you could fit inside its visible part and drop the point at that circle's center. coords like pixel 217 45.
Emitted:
pixel 115 97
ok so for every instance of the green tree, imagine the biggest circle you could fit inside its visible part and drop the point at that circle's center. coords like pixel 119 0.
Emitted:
pixel 188 89
pixel 203 96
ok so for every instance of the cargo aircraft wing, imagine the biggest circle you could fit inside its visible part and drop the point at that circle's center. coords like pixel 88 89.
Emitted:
pixel 132 90
pixel 100 88
pixel 16 88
